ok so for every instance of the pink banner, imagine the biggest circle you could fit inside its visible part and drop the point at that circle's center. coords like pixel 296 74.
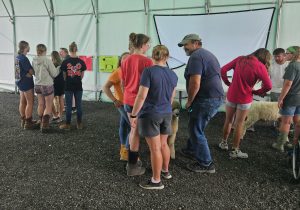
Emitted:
pixel 88 62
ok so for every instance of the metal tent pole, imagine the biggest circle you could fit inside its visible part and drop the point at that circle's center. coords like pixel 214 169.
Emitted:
pixel 95 60
pixel 279 6
pixel 13 21
pixel 52 24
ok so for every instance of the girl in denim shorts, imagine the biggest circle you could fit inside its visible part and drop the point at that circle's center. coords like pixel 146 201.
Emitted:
pixel 289 99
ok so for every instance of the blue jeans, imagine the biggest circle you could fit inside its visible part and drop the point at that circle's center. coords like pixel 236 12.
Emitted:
pixel 124 129
pixel 199 117
pixel 78 99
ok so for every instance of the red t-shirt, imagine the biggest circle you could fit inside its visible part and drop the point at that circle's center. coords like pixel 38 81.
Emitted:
pixel 247 71
pixel 132 68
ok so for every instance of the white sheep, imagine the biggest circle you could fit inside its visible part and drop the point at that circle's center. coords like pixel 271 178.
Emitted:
pixel 262 110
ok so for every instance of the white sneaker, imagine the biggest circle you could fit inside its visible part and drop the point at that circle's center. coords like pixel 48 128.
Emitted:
pixel 223 145
pixel 238 154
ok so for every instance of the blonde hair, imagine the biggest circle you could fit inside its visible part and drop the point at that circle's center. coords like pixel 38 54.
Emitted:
pixel 22 46
pixel 56 58
pixel 40 49
pixel 73 47
pixel 160 52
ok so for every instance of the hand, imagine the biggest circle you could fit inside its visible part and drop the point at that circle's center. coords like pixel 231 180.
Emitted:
pixel 188 104
pixel 118 103
pixel 133 122
pixel 28 75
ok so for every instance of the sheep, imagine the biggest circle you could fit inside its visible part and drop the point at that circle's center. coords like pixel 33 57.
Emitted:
pixel 262 110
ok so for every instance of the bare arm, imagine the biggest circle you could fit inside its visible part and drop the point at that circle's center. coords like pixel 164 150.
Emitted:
pixel 287 84
pixel 193 89
pixel 173 95
pixel 138 104
pixel 107 91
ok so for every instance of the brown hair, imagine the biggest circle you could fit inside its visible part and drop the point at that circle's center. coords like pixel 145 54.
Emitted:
pixel 263 55
pixel 22 46
pixel 56 58
pixel 40 49
pixel 160 52
pixel 121 58
pixel 138 40
pixel 65 50
pixel 73 47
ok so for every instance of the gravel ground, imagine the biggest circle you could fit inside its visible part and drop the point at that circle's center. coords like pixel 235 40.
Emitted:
pixel 81 169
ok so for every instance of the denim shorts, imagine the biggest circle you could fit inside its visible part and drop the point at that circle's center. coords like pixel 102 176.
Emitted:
pixel 238 106
pixel 154 125
pixel 45 90
pixel 290 111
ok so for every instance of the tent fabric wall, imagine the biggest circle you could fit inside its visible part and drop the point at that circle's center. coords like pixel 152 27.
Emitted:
pixel 72 20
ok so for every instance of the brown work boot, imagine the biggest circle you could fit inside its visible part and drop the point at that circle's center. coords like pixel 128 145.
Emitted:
pixel 45 123
pixel 22 121
pixel 29 124
pixel 65 126
pixel 123 153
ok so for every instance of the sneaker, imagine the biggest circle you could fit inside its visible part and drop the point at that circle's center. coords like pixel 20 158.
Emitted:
pixel 223 145
pixel 55 119
pixel 135 169
pixel 149 185
pixel 65 126
pixel 196 167
pixel 188 154
pixel 236 153
pixel 74 110
pixel 166 175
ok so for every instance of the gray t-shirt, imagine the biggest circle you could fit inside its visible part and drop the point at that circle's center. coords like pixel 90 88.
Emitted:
pixel 292 73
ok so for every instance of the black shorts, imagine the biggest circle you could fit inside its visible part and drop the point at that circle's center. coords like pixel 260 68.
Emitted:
pixel 59 88
pixel 154 125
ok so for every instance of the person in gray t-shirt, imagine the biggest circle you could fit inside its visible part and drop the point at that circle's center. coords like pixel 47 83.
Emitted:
pixel 289 99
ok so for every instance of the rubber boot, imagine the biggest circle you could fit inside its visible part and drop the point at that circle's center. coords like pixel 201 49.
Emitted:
pixel 45 123
pixel 134 165
pixel 281 140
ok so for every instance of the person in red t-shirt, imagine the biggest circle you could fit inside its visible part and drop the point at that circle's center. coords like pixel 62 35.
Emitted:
pixel 131 70
pixel 248 70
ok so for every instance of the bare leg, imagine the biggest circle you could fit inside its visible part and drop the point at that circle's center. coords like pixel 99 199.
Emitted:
pixel 29 96
pixel 165 151
pixel 41 105
pixel 238 132
pixel 48 103
pixel 230 113
pixel 156 156
pixel 23 104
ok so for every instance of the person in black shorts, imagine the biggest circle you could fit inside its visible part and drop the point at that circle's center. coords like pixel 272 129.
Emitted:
pixel 153 105
pixel 59 89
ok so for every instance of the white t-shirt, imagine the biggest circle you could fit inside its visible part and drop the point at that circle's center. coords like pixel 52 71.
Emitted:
pixel 276 73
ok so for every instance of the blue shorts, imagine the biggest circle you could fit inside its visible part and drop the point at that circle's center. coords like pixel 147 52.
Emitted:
pixel 290 111
pixel 238 106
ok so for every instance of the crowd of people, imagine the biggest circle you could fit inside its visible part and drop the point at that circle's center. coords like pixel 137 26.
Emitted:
pixel 144 89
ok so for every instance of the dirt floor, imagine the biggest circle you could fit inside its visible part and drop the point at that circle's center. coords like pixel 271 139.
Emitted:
pixel 81 169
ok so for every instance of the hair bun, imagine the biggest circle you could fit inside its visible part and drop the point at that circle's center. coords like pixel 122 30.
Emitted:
pixel 132 37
